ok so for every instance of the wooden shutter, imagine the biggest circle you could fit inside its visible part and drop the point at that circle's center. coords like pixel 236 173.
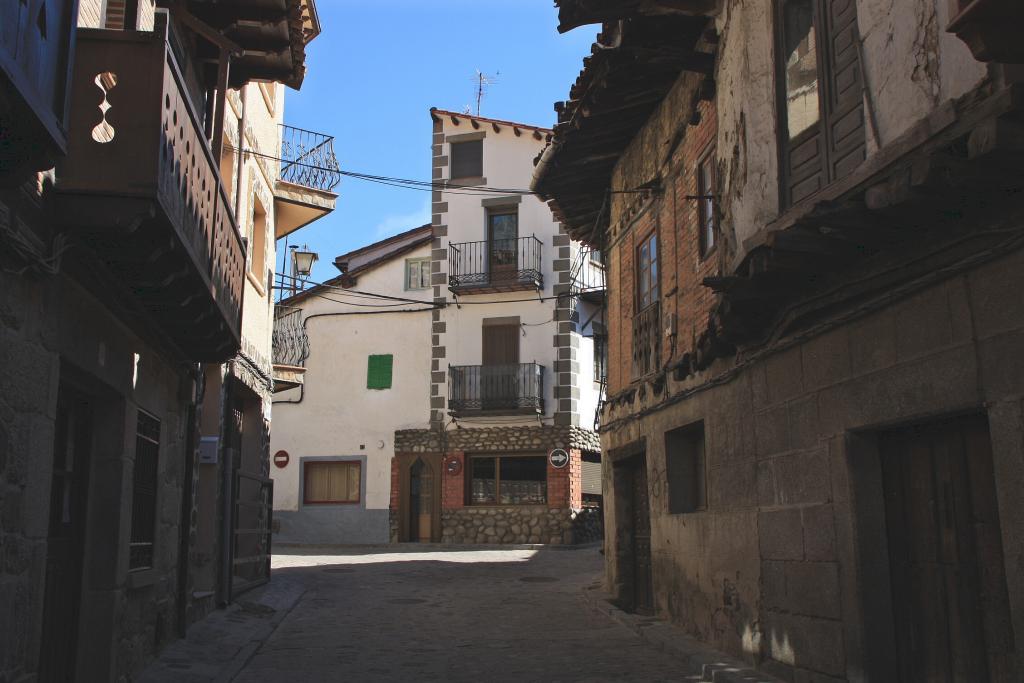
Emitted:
pixel 501 343
pixel 844 112
pixel 378 372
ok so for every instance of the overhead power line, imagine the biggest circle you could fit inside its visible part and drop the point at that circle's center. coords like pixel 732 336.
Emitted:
pixel 410 184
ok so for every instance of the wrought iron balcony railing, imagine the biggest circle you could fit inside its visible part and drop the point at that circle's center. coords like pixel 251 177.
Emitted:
pixel 587 276
pixel 507 389
pixel 291 345
pixel 495 265
pixel 140 184
pixel 307 159
pixel 647 340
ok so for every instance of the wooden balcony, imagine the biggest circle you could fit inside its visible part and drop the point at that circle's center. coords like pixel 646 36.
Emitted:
pixel 647 341
pixel 516 389
pixel 140 187
pixel 36 48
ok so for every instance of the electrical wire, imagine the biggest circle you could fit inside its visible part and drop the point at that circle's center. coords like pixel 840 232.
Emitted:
pixel 410 184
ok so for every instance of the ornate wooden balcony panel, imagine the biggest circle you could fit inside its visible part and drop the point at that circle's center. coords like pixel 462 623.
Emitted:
pixel 647 341
pixel 140 184
pixel 516 389
pixel 495 266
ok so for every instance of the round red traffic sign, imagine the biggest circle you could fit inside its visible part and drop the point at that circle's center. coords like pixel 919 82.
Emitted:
pixel 281 459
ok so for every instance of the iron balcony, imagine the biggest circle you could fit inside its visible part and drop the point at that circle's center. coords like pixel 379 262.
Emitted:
pixel 140 186
pixel 516 389
pixel 495 265
pixel 291 347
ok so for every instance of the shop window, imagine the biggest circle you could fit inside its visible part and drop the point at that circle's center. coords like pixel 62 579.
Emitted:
pixel 684 464
pixel 331 482
pixel 144 487
pixel 508 480
pixel 378 371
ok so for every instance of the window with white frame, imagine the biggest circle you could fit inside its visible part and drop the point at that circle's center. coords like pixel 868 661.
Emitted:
pixel 417 273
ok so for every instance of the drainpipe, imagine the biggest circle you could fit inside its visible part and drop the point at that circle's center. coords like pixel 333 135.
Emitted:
pixel 240 161
pixel 226 486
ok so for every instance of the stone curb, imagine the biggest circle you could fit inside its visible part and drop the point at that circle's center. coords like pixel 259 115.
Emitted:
pixel 281 548
pixel 715 667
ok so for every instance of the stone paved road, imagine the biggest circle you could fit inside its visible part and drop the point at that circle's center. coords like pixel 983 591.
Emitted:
pixel 451 615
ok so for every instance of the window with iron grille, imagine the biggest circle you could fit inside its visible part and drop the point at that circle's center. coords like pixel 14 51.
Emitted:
pixel 706 197
pixel 417 273
pixel 144 486
pixel 467 159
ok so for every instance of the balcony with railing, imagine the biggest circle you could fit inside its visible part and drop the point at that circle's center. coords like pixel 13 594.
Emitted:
pixel 587 276
pixel 516 389
pixel 309 173
pixel 291 347
pixel 502 265
pixel 646 340
pixel 140 186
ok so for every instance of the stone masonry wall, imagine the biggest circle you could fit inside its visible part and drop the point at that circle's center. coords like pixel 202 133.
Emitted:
pixel 513 524
pixel 497 439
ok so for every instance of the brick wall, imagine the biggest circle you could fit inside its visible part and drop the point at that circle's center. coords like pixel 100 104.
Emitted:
pixel 453 487
pixel 674 215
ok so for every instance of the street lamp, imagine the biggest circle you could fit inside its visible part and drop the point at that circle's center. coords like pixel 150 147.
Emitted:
pixel 303 260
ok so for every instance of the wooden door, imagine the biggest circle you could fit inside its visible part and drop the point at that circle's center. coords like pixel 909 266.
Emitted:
pixel 945 553
pixel 66 540
pixel 502 234
pixel 640 518
pixel 421 502
pixel 499 376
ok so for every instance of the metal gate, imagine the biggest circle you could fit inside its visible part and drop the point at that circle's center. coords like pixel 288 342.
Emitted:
pixel 253 498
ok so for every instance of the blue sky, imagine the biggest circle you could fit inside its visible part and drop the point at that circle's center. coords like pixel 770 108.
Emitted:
pixel 379 66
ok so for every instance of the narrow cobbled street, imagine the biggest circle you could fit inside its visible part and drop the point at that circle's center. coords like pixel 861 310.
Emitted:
pixel 385 614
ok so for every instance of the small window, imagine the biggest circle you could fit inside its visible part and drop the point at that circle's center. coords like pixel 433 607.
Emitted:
pixel 647 272
pixel 332 482
pixel 378 372
pixel 600 359
pixel 684 464
pixel 258 242
pixel 144 486
pixel 508 480
pixel 417 273
pixel 467 159
pixel 706 197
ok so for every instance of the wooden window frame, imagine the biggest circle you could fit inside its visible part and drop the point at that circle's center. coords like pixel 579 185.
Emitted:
pixel 829 111
pixel 470 457
pixel 305 482
pixel 419 261
pixel 707 201
pixel 452 146
pixel 654 286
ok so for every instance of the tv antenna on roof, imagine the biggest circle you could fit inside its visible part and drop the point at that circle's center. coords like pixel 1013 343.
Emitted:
pixel 483 81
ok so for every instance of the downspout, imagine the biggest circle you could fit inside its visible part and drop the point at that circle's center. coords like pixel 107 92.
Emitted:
pixel 226 507
pixel 188 484
pixel 240 161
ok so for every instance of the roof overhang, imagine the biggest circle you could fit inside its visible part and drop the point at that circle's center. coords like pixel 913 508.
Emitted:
pixel 272 35
pixel 632 67
pixel 575 13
